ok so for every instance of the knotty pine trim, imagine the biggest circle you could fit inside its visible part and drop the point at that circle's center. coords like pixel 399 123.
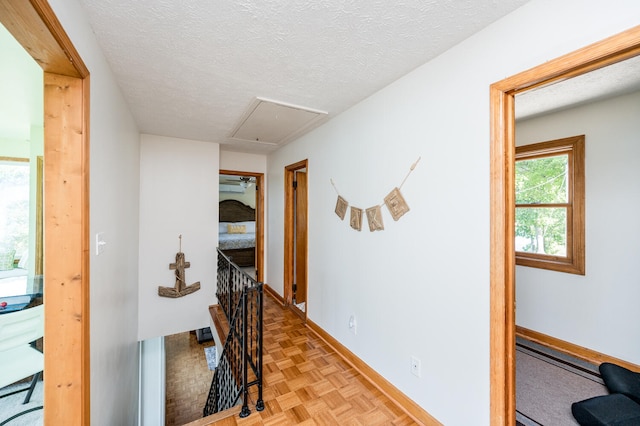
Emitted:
pixel 502 279
pixel 568 348
pixel 85 236
pixel 34 25
pixel 62 40
pixel 66 268
pixel 66 194
pixel 408 405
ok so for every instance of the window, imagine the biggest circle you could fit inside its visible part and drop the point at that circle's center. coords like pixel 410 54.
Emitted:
pixel 14 205
pixel 549 196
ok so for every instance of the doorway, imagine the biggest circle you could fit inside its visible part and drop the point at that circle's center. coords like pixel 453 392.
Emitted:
pixel 502 276
pixel 249 183
pixel 295 237
pixel 66 193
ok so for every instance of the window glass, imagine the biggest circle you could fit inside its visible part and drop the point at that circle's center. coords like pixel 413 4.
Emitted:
pixel 542 180
pixel 549 210
pixel 14 206
pixel 542 230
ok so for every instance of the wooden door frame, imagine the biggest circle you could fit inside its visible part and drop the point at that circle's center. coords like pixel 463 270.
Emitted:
pixel 502 270
pixel 259 177
pixel 289 222
pixel 66 195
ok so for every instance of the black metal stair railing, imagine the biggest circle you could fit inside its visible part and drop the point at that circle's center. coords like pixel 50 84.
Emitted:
pixel 240 364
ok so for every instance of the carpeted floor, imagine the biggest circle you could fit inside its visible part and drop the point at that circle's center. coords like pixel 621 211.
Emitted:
pixel 12 404
pixel 547 383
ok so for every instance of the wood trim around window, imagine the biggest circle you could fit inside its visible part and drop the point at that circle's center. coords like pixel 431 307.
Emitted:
pixel 574 261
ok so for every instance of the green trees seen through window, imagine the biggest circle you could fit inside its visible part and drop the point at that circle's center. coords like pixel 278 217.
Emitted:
pixel 14 206
pixel 542 182
pixel 549 210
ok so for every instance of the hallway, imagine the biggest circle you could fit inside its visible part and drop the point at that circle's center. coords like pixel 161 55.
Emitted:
pixel 307 382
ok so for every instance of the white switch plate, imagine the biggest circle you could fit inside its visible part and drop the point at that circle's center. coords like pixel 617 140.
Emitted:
pixel 415 366
pixel 100 243
pixel 353 324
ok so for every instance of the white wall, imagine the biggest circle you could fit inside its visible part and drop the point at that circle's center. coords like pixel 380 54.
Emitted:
pixel 241 162
pixel 16 148
pixel 178 196
pixel 114 159
pixel 247 197
pixel 421 287
pixel 153 375
pixel 597 310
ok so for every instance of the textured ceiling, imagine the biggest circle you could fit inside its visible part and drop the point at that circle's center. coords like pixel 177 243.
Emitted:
pixel 191 68
pixel 613 80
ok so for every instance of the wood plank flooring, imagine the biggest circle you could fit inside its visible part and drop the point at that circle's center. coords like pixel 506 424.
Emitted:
pixel 307 382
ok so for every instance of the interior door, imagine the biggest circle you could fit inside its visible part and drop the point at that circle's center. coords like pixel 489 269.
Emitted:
pixel 254 189
pixel 300 249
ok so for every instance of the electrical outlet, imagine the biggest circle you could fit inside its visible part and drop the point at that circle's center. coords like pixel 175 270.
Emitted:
pixel 415 366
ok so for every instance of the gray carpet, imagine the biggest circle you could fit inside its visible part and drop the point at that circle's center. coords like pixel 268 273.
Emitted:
pixel 546 386
pixel 12 404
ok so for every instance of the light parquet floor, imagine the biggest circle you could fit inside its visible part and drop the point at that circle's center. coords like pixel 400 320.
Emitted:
pixel 187 380
pixel 307 382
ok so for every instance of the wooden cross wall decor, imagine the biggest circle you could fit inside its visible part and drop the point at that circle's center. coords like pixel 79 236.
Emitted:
pixel 181 288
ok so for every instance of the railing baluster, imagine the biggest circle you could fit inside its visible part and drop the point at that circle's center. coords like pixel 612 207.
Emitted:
pixel 260 308
pixel 242 295
pixel 245 391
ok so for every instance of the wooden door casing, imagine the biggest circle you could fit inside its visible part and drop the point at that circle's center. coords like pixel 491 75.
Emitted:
pixel 301 236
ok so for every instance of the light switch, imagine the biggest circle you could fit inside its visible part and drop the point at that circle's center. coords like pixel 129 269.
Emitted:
pixel 100 243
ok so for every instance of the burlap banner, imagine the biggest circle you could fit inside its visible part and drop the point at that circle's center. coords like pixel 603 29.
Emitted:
pixel 395 202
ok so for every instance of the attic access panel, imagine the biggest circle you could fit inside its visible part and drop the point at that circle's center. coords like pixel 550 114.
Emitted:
pixel 273 122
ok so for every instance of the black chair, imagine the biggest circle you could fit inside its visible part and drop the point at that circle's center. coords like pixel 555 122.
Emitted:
pixel 620 408
pixel 621 380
